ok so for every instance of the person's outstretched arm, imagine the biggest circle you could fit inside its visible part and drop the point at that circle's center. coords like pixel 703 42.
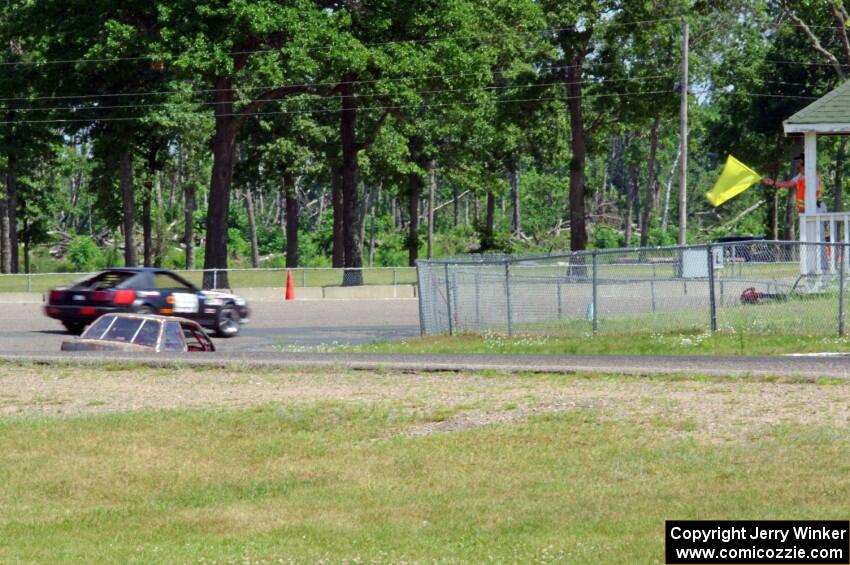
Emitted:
pixel 779 183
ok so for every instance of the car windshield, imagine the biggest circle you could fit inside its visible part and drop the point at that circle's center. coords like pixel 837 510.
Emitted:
pixel 97 329
pixel 105 280
pixel 124 329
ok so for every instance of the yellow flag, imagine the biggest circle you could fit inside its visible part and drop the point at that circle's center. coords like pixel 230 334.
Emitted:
pixel 735 179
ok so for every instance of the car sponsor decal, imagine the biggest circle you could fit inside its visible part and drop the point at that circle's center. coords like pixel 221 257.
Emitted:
pixel 185 303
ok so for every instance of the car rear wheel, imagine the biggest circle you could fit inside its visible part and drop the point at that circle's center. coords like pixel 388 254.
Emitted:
pixel 75 328
pixel 145 309
pixel 227 322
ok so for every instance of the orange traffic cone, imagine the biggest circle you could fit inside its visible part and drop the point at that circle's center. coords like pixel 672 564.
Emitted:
pixel 290 286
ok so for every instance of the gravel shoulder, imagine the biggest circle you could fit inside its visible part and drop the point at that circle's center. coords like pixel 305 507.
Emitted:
pixel 708 410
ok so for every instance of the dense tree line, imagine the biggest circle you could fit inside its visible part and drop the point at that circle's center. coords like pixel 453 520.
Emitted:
pixel 361 132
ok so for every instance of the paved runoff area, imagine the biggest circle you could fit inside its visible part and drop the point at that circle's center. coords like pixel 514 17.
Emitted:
pixel 274 326
pixel 287 334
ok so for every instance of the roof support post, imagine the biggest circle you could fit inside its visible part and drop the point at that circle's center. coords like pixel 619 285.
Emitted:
pixel 811 173
pixel 809 229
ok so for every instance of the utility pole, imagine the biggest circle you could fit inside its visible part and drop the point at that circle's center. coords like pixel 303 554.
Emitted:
pixel 683 135
pixel 432 187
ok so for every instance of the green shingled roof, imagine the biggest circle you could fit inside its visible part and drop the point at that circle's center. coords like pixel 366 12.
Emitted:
pixel 832 108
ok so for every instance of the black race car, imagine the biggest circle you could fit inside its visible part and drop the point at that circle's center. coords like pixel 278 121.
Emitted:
pixel 145 291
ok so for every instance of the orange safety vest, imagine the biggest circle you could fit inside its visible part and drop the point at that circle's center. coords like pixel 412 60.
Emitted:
pixel 801 192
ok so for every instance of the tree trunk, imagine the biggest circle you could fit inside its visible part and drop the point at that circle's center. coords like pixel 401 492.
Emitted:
pixel 578 144
pixel 651 178
pixel 666 215
pixel 489 224
pixel 189 223
pixel 224 153
pixel 516 225
pixel 456 205
pixel 291 205
pixel 125 172
pixel 338 257
pixel 631 193
pixel 5 252
pixel 252 229
pixel 159 224
pixel 353 276
pixel 362 211
pixel 414 186
pixel 147 238
pixel 394 211
pixel 432 189
pixel 372 227
pixel 26 234
pixel 279 209
pixel 12 203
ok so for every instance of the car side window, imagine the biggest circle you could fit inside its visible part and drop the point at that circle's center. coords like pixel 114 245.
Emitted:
pixel 166 280
pixel 173 337
pixel 195 339
pixel 148 334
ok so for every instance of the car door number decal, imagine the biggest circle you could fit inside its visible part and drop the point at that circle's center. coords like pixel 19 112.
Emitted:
pixel 185 303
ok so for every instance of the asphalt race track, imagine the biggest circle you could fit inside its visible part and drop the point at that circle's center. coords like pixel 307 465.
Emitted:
pixel 283 334
pixel 274 325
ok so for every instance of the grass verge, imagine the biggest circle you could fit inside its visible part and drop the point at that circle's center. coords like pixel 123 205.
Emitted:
pixel 686 343
pixel 344 481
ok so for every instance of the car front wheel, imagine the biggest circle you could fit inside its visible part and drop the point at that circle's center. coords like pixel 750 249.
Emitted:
pixel 227 322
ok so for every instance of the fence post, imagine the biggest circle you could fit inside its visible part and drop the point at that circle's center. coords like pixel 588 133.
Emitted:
pixel 711 301
pixel 841 294
pixel 652 287
pixel 29 282
pixel 477 297
pixel 448 299
pixel 593 303
pixel 419 268
pixel 395 276
pixel 303 277
pixel 560 304
pixel 508 297
pixel 215 278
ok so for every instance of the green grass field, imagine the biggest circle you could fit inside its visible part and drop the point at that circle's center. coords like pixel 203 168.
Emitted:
pixel 344 480
pixel 691 343
pixel 798 325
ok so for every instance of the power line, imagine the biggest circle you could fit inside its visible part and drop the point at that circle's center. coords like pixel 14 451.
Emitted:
pixel 334 111
pixel 328 47
pixel 357 96
pixel 752 94
pixel 717 91
pixel 542 69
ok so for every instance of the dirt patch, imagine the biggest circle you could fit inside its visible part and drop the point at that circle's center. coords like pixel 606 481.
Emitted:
pixel 713 411
pixel 478 419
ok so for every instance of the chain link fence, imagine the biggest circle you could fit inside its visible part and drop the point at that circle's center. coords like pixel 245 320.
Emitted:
pixel 765 287
pixel 237 278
